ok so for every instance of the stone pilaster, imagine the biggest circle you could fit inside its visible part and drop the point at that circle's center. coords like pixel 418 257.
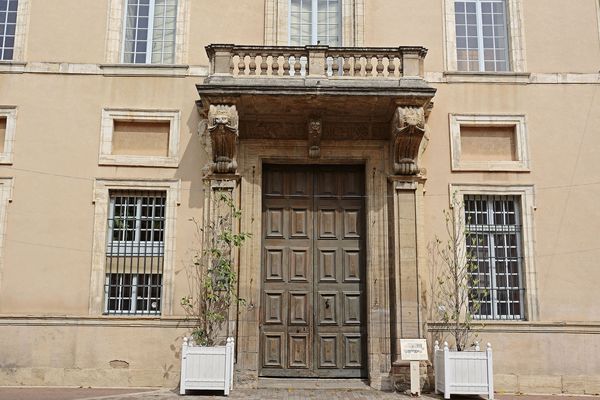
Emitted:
pixel 405 199
pixel 220 189
pixel 405 262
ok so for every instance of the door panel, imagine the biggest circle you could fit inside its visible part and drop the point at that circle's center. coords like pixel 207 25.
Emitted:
pixel 313 305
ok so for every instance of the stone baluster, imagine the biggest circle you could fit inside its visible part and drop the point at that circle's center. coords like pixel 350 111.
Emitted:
pixel 252 64
pixel 368 67
pixel 264 66
pixel 232 65
pixel 286 64
pixel 357 65
pixel 392 67
pixel 335 66
pixel 346 66
pixel 275 65
pixel 296 66
pixel 379 64
pixel 242 64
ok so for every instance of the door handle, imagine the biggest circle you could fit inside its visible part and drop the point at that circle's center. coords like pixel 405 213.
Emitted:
pixel 327 303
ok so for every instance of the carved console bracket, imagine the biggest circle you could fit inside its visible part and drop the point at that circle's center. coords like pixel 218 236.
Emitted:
pixel 223 128
pixel 408 130
pixel 315 132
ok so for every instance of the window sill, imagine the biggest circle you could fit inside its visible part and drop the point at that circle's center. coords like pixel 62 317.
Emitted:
pixel 520 326
pixel 487 77
pixel 139 161
pixel 172 70
pixel 490 166
pixel 12 66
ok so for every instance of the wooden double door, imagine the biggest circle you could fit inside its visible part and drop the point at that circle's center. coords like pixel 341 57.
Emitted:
pixel 312 319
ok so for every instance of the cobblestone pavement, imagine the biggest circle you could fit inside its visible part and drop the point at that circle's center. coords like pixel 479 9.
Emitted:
pixel 245 394
pixel 267 394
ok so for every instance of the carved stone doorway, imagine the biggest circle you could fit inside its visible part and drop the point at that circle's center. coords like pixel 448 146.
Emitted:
pixel 313 297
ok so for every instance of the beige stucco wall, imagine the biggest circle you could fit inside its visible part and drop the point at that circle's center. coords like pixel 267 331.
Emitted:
pixel 47 257
pixel 81 355
pixel 49 243
pixel 557 32
pixel 561 121
pixel 52 26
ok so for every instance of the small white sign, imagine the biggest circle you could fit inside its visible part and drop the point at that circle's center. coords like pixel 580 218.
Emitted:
pixel 413 349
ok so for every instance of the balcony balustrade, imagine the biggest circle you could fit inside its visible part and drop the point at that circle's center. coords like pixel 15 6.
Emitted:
pixel 324 62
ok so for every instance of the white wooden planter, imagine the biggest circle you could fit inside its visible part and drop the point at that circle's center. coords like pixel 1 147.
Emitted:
pixel 463 372
pixel 206 368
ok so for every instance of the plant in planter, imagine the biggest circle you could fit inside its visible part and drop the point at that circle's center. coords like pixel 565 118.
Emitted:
pixel 465 370
pixel 206 363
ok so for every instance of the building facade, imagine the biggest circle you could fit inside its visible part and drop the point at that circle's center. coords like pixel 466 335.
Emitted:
pixel 342 129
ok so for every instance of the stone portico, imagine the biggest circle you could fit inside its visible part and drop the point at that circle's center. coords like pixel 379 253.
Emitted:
pixel 317 105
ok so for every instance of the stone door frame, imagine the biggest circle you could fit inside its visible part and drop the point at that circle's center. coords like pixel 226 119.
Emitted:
pixel 374 155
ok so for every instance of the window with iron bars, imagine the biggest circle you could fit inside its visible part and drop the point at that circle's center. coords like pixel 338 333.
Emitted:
pixel 494 244
pixel 135 252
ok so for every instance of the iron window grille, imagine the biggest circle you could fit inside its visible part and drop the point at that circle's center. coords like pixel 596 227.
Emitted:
pixel 494 245
pixel 135 252
pixel 481 35
pixel 8 26
pixel 150 31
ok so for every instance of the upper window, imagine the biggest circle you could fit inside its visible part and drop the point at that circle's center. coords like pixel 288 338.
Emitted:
pixel 8 27
pixel 481 35
pixel 315 22
pixel 493 225
pixel 150 31
pixel 484 36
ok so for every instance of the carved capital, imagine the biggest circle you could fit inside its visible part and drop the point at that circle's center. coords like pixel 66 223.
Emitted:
pixel 408 129
pixel 315 132
pixel 223 128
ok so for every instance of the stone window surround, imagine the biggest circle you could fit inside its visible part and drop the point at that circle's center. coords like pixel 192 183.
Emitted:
pixel 527 196
pixel 522 149
pixel 277 22
pixel 516 40
pixel 6 192
pixel 101 199
pixel 10 113
pixel 106 134
pixel 598 16
pixel 115 24
pixel 252 155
